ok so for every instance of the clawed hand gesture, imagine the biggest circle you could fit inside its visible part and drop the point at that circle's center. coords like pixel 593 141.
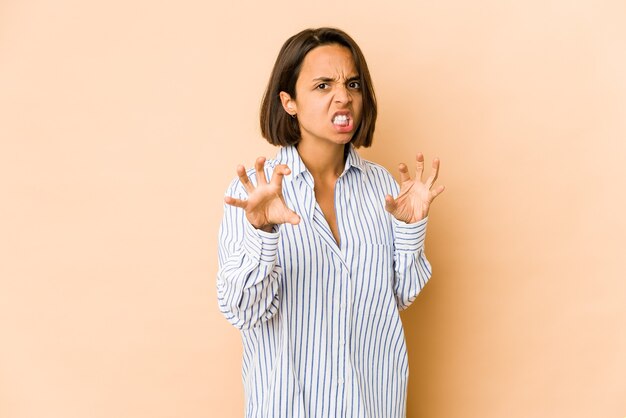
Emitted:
pixel 265 206
pixel 415 196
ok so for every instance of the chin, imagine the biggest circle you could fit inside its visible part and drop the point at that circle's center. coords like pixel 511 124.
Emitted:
pixel 344 139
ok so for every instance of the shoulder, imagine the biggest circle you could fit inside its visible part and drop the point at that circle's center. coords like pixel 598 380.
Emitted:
pixel 377 178
pixel 235 188
pixel 377 171
pixel 370 166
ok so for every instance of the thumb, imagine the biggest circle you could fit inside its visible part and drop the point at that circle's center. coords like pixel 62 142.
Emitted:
pixel 293 218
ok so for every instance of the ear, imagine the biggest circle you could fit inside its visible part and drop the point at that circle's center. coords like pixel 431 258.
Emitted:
pixel 288 103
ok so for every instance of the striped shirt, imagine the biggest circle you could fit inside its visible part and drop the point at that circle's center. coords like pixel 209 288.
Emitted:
pixel 320 322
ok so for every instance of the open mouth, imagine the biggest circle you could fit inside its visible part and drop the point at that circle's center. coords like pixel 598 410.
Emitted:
pixel 341 120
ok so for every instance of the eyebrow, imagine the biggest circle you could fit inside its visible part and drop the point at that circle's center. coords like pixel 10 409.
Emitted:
pixel 329 79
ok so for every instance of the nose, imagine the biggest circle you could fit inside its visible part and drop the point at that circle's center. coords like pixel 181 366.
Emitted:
pixel 342 94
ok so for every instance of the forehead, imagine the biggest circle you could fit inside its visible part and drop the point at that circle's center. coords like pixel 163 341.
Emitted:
pixel 328 60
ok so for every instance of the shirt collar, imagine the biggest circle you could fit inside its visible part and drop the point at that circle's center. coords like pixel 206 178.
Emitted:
pixel 354 160
pixel 289 155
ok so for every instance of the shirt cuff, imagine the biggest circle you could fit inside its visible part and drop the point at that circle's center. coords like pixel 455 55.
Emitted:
pixel 260 245
pixel 409 237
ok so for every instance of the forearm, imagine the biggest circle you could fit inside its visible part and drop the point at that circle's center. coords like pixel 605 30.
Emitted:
pixel 412 269
pixel 248 279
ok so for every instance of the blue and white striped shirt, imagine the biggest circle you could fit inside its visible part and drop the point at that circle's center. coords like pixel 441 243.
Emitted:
pixel 321 331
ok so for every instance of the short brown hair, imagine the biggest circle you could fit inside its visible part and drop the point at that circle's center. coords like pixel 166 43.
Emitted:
pixel 277 126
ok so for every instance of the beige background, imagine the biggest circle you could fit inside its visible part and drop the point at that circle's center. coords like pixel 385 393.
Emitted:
pixel 121 123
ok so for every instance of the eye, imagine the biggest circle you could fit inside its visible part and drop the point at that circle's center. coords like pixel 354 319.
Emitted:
pixel 354 84
pixel 322 86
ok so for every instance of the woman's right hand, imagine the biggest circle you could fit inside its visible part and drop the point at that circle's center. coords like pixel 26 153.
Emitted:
pixel 265 206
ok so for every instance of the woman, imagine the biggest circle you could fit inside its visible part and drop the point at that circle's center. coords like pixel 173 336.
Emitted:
pixel 317 261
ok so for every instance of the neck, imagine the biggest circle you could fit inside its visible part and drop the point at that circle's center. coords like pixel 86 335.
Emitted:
pixel 323 161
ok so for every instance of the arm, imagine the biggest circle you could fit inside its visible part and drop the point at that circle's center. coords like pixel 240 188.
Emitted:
pixel 412 269
pixel 249 276
pixel 410 212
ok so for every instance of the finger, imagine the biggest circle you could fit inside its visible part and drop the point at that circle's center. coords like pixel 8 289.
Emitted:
pixel 235 202
pixel 433 177
pixel 419 166
pixel 404 173
pixel 244 179
pixel 437 192
pixel 279 172
pixel 259 166
pixel 293 218
pixel 390 204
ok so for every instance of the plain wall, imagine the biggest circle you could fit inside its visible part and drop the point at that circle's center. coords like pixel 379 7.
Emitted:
pixel 121 123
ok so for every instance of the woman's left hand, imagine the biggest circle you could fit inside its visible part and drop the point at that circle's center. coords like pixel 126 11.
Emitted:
pixel 413 202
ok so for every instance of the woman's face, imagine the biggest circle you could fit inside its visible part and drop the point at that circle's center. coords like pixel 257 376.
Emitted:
pixel 328 101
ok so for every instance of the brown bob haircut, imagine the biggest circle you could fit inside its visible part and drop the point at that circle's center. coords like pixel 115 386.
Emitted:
pixel 277 126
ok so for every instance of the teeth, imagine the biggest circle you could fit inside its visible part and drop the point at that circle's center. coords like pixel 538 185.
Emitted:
pixel 340 120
